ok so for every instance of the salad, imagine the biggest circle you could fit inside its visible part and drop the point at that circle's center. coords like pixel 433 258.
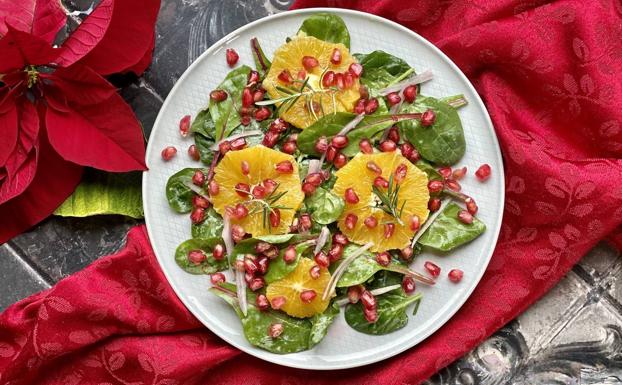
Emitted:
pixel 323 174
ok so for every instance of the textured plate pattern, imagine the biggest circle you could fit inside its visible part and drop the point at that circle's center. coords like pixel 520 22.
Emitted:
pixel 343 347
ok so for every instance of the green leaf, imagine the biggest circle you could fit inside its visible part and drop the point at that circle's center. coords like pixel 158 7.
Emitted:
pixel 324 206
pixel 361 268
pixel 328 27
pixel 376 79
pixel 442 143
pixel 262 63
pixel 391 313
pixel 203 144
pixel 381 60
pixel 204 124
pixel 101 193
pixel 430 171
pixel 224 113
pixel 384 278
pixel 178 193
pixel 247 246
pixel 321 322
pixel 447 232
pixel 209 266
pixel 278 268
pixel 211 227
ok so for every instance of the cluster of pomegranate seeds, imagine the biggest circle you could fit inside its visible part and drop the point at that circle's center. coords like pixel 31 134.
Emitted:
pixel 232 57
pixel 275 129
pixel 432 268
pixel 370 304
pixel 184 126
pixel 483 172
pixel 217 278
pixel 455 275
pixel 366 106
pixel 168 153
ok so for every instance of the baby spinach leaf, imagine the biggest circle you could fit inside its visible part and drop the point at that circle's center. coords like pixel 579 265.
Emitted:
pixel 328 27
pixel 376 79
pixel 204 124
pixel 278 268
pixel 324 206
pixel 447 232
pixel 321 322
pixel 361 268
pixel 224 114
pixel 391 313
pixel 380 59
pixel 209 266
pixel 442 143
pixel 203 144
pixel 178 193
pixel 430 171
pixel 211 227
pixel 383 279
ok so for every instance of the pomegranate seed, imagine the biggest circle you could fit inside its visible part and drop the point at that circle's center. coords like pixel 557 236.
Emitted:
pixel 335 58
pixel 217 278
pixel 302 75
pixel 253 77
pixel 219 252
pixel 400 172
pixel 350 196
pixel 359 107
pixel 289 255
pixel 368 300
pixel 308 188
pixel 331 153
pixel 371 315
pixel 408 285
pixel 278 125
pixel 289 147
pixel 394 134
pixel 275 218
pixel 415 223
pixel 339 141
pixel 393 98
pixel 483 172
pixel 383 259
pixel 199 201
pixel 435 186
pixel 350 221
pixel 240 211
pixel 348 80
pixel 371 222
pixel 245 120
pixel 307 296
pixel 256 284
pixel 410 93
pixel 275 330
pixel 232 57
pixel 407 253
pixel 428 118
pixel 434 204
pixel 321 145
pixel 309 62
pixel 432 268
pixel 218 96
pixel 277 302
pixel 366 147
pixel 238 144
pixel 335 252
pixel 465 217
pixel 184 125
pixel 314 178
pixel 168 153
pixel 196 256
pixel 380 182
pixel 445 172
pixel 354 293
pixel 261 301
pixel 471 206
pixel 389 229
pixel 459 173
pixel 261 247
pixel 213 188
pixel 285 76
pixel 262 113
pixel 247 97
pixel 270 139
pixel 315 271
pixel 245 167
pixel 258 95
pixel 340 81
pixel 371 106
pixel 248 278
pixel 237 233
pixel 304 223
pixel 242 189
pixel 387 145
pixel 455 275
pixel 272 252
pixel 363 91
pixel 322 259
pixel 373 166
pixel 262 263
pixel 193 152
pixel 284 167
pixel 249 264
pixel 453 185
pixel 340 160
pixel 407 150
pixel 224 147
pixel 198 215
pixel 328 79
pixel 340 238
pixel 356 70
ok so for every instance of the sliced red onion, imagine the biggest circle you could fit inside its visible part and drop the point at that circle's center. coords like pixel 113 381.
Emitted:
pixel 240 285
pixel 226 235
pixel 351 124
pixel 214 147
pixel 321 240
pixel 417 79
pixel 314 166
pixel 196 189
pixel 330 287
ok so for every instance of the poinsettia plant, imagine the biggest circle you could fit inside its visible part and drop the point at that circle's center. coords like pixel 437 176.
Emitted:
pixel 58 113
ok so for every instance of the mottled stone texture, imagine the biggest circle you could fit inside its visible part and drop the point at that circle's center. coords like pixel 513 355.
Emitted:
pixel 572 336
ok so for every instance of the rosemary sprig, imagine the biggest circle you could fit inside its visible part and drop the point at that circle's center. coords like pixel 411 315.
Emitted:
pixel 389 200
pixel 266 205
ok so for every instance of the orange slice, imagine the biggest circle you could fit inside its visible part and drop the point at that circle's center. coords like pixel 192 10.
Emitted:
pixel 413 190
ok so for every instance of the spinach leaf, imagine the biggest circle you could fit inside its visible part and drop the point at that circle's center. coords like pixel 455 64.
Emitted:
pixel 447 232
pixel 278 268
pixel 209 266
pixel 211 227
pixel 380 59
pixel 430 171
pixel 391 313
pixel 203 144
pixel 442 143
pixel 178 193
pixel 383 279
pixel 224 114
pixel 328 27
pixel 361 268
pixel 324 206
pixel 321 322
pixel 376 79
pixel 204 124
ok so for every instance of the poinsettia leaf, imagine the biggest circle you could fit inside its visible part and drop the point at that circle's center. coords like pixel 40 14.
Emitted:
pixel 143 64
pixel 42 18
pixel 80 84
pixel 88 34
pixel 8 129
pixel 21 48
pixel 105 136
pixel 54 181
pixel 127 39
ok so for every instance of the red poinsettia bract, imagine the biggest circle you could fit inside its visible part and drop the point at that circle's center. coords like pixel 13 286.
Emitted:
pixel 57 111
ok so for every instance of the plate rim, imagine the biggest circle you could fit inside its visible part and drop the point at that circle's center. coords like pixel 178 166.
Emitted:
pixel 221 43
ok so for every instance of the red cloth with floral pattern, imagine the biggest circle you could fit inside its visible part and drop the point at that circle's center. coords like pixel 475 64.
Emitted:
pixel 549 75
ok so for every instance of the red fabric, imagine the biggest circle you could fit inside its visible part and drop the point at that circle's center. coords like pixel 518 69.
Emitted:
pixel 549 76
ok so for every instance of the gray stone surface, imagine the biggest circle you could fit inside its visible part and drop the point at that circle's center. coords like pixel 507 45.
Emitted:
pixel 571 336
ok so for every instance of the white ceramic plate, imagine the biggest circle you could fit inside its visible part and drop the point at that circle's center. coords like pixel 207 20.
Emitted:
pixel 343 347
